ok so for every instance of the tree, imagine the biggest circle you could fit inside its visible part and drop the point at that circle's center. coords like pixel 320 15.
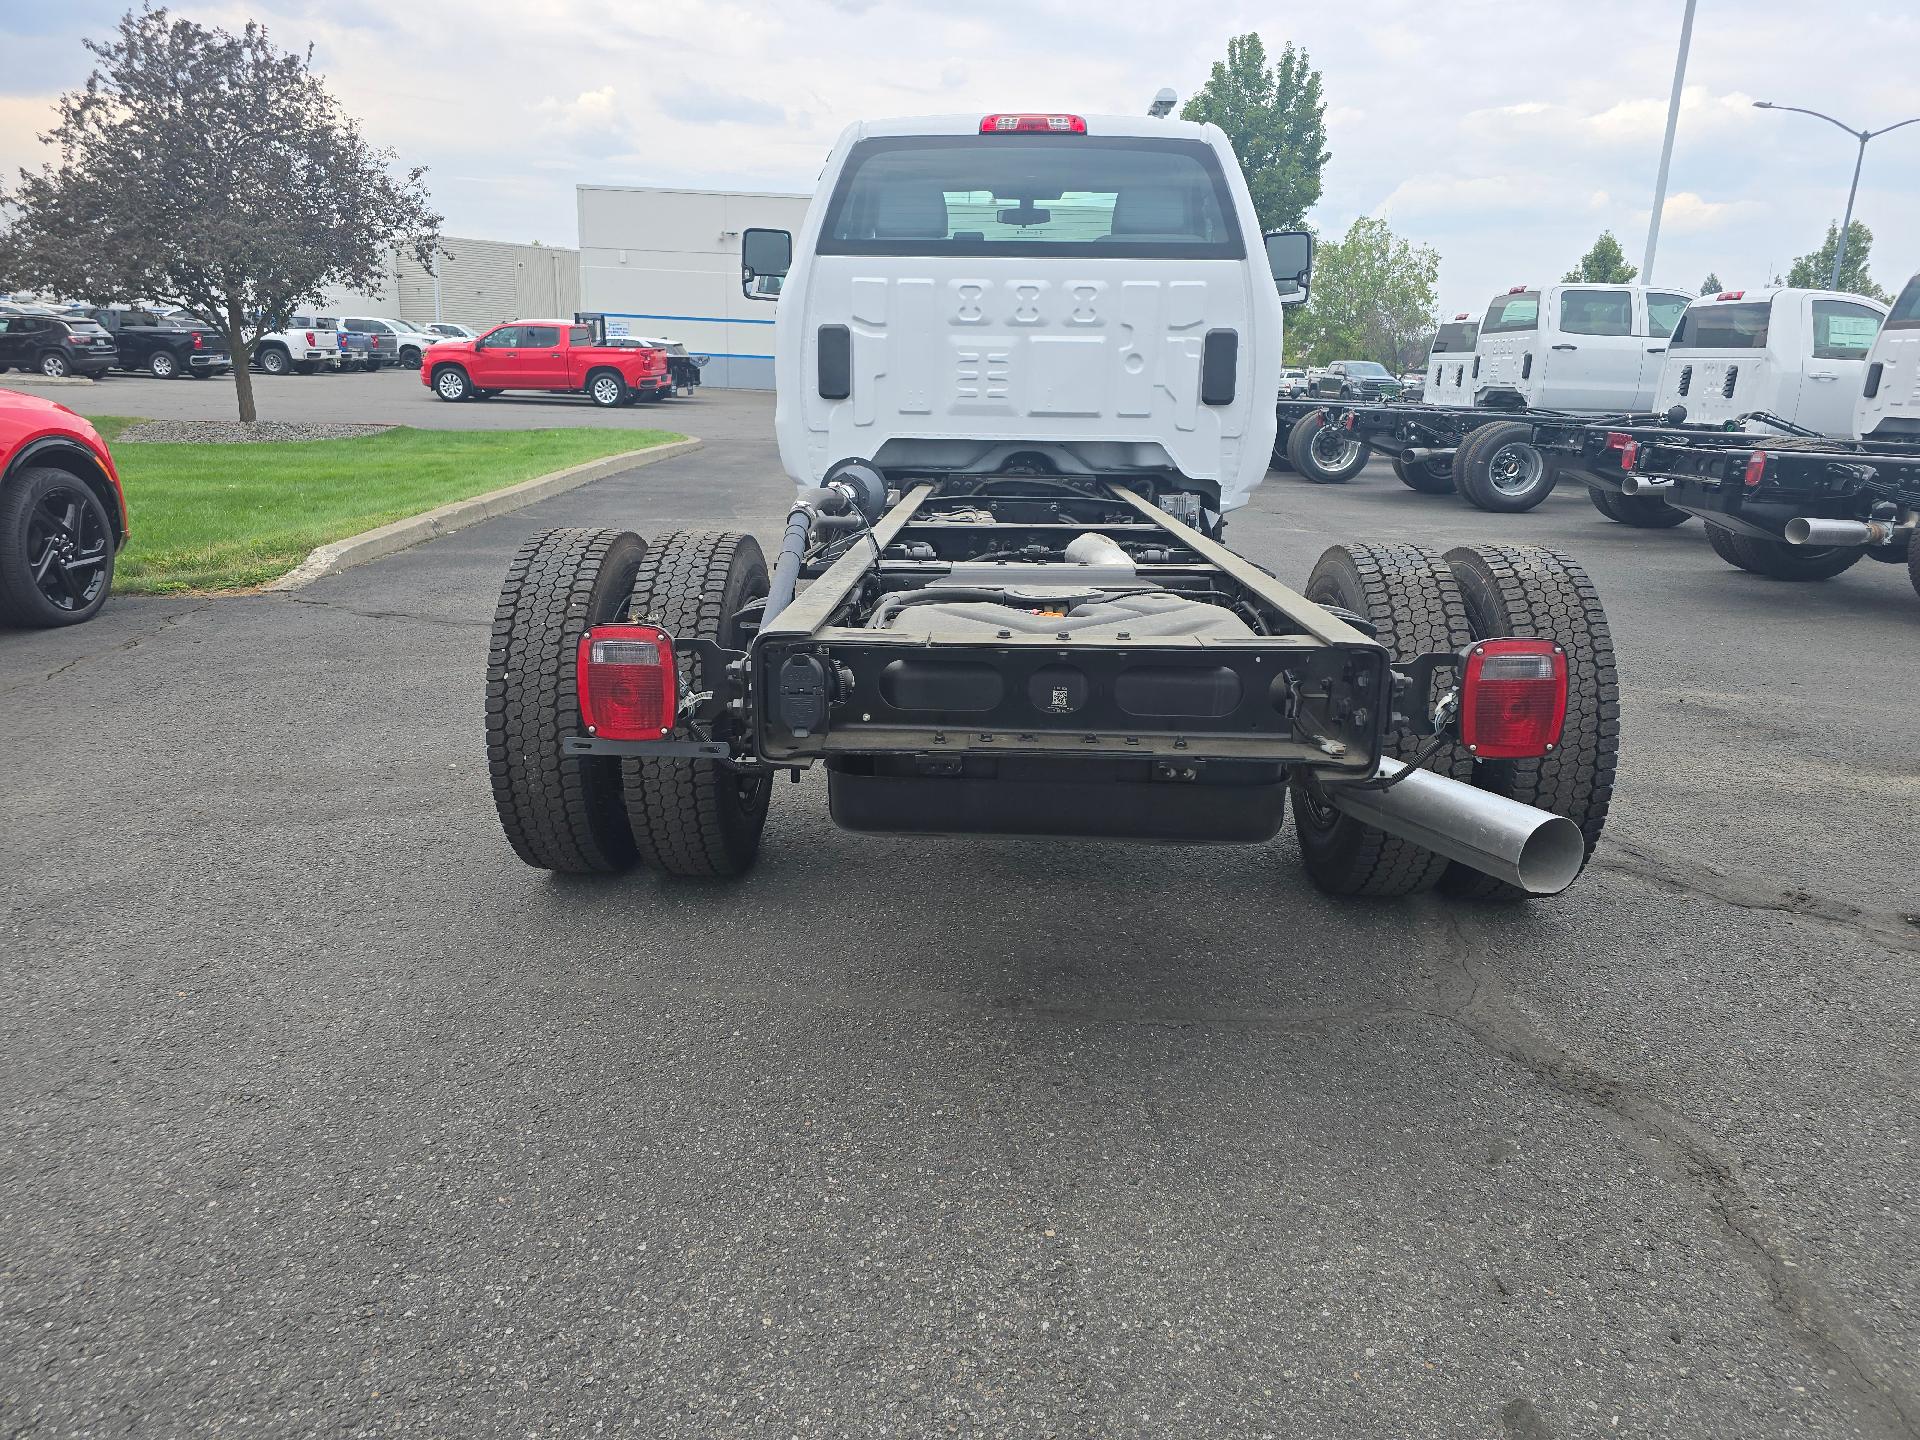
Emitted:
pixel 1604 264
pixel 1276 119
pixel 210 170
pixel 1815 271
pixel 1711 285
pixel 1373 298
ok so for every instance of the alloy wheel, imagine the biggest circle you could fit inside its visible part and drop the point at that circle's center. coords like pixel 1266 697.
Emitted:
pixel 67 549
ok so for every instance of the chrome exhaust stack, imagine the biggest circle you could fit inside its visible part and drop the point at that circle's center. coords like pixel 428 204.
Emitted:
pixel 1417 455
pixel 1645 485
pixel 1534 849
pixel 1805 531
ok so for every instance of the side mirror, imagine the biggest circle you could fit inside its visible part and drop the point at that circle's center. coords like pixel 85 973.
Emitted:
pixel 765 258
pixel 1290 258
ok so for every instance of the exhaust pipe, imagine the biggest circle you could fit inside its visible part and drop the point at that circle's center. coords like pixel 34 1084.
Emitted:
pixel 1416 455
pixel 1806 531
pixel 1534 849
pixel 1645 485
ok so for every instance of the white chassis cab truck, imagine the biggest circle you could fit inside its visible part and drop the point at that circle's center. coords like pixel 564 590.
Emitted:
pixel 1556 351
pixel 1026 366
pixel 1449 361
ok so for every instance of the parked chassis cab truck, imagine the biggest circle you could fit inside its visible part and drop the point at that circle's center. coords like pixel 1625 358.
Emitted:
pixel 1025 366
pixel 1557 351
pixel 552 355
pixel 1797 505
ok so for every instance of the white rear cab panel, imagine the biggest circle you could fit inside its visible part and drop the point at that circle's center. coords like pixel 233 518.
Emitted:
pixel 959 360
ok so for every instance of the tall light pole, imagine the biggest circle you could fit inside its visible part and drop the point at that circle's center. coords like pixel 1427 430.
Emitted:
pixel 1863 136
pixel 1666 146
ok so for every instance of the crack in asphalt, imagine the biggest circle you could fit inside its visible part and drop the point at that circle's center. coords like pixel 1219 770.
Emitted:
pixel 119 646
pixel 1685 875
pixel 461 623
pixel 1821 1323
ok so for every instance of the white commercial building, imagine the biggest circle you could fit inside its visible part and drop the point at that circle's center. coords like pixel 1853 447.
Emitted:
pixel 666 263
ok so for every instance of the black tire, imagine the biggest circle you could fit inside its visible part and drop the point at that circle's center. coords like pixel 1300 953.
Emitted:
pixel 275 361
pixel 1409 595
pixel 305 367
pixel 1429 477
pixel 1315 450
pixel 54 365
pixel 1643 512
pixel 163 365
pixel 451 384
pixel 373 363
pixel 697 818
pixel 1505 472
pixel 1778 560
pixel 1279 460
pixel 1913 564
pixel 1538 594
pixel 56 549
pixel 607 389
pixel 409 358
pixel 559 812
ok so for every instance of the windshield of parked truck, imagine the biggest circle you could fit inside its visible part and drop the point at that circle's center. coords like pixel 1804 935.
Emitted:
pixel 1723 327
pixel 1455 336
pixel 1032 195
pixel 1370 369
pixel 1509 313
pixel 1906 309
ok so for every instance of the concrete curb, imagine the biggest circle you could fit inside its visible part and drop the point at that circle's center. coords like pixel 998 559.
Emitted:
pixel 340 555
pixel 34 377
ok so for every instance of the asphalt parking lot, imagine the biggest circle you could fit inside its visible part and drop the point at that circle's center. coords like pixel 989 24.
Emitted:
pixel 327 1116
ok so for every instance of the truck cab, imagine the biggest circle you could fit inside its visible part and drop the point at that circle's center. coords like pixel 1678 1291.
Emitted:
pixel 1798 355
pixel 1574 347
pixel 1447 381
pixel 1086 295
pixel 1888 403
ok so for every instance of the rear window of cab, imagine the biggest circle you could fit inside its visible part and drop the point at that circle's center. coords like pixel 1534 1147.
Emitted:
pixel 1075 196
pixel 1738 326
pixel 1510 313
pixel 1455 336
pixel 1906 309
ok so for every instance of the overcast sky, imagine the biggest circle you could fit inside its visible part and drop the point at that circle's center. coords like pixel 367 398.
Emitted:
pixel 1506 135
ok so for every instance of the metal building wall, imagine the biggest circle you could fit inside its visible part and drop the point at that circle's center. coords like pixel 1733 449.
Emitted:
pixel 482 283
pixel 667 263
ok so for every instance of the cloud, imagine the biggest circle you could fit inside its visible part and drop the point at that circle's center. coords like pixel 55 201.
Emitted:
pixel 1686 213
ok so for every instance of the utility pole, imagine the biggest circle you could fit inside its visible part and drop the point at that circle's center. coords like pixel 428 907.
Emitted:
pixel 1666 146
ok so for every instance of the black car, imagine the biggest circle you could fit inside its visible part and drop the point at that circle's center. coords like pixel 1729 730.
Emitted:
pixel 1357 380
pixel 55 345
pixel 163 346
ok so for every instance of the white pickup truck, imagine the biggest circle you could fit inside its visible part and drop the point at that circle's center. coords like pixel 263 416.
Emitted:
pixel 308 343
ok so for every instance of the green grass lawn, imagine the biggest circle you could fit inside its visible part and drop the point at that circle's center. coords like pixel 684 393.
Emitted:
pixel 224 517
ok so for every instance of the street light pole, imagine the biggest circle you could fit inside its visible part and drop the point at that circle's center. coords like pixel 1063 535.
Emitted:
pixel 1859 159
pixel 1666 147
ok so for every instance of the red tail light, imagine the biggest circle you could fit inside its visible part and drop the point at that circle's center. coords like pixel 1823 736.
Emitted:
pixel 1513 699
pixel 1756 470
pixel 626 682
pixel 199 342
pixel 310 340
pixel 1628 447
pixel 1730 294
pixel 1517 290
pixel 1032 124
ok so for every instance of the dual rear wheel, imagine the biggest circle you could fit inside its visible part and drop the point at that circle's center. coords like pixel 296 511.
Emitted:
pixel 603 814
pixel 1419 601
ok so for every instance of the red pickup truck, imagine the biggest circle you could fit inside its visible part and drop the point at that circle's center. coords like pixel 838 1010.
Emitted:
pixel 545 355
